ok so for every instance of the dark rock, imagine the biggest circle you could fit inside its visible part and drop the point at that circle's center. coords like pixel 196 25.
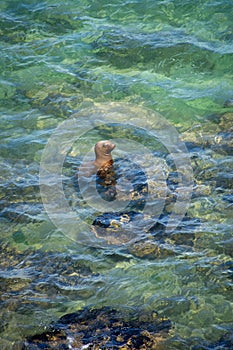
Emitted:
pixel 113 220
pixel 193 147
pixel 116 228
pixel 135 199
pixel 228 198
pixel 103 328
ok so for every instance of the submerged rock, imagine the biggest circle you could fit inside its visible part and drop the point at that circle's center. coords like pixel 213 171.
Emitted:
pixel 224 343
pixel 103 328
pixel 228 103
pixel 22 212
pixel 223 142
pixel 150 249
pixel 57 103
pixel 215 135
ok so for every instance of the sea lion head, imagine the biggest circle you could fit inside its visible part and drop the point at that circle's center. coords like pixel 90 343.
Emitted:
pixel 103 149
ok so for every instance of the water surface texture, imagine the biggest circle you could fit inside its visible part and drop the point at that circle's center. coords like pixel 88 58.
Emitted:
pixel 59 58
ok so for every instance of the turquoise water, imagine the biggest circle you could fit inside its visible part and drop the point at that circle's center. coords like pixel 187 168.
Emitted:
pixel 58 58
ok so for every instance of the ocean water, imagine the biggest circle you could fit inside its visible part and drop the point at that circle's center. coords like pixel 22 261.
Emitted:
pixel 161 73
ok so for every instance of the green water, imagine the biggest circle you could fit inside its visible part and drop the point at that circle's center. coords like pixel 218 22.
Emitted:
pixel 58 58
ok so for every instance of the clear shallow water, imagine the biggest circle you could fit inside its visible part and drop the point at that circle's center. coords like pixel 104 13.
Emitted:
pixel 57 58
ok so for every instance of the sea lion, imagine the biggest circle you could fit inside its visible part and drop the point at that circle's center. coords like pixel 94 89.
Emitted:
pixel 103 160
pixel 103 168
pixel 106 176
pixel 103 154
